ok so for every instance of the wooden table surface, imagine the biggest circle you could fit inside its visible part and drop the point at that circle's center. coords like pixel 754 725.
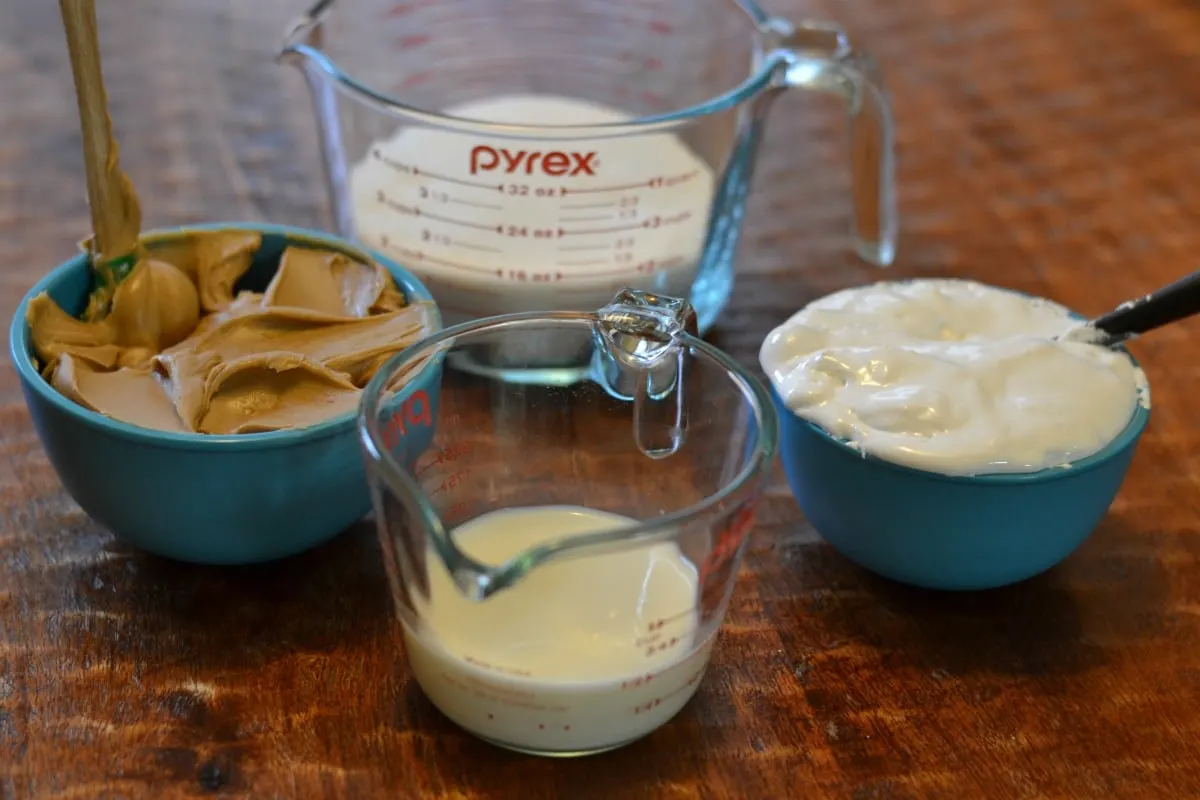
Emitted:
pixel 1048 145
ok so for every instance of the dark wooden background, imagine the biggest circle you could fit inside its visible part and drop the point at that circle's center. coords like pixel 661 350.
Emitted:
pixel 1048 145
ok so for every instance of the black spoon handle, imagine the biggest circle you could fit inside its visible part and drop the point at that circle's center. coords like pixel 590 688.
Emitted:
pixel 1169 304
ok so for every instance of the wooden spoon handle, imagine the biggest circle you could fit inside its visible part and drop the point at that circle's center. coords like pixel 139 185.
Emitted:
pixel 116 217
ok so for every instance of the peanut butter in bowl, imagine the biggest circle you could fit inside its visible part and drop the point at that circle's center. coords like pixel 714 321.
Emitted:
pixel 290 356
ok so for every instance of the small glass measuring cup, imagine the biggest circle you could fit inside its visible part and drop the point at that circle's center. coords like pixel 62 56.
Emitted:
pixel 586 617
pixel 504 205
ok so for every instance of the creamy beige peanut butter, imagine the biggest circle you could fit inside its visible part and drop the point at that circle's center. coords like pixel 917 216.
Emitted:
pixel 207 359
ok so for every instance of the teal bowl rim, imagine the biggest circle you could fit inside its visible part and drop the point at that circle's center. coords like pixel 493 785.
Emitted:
pixel 18 346
pixel 1127 438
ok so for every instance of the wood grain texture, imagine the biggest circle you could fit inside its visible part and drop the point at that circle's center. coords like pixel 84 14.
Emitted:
pixel 1048 145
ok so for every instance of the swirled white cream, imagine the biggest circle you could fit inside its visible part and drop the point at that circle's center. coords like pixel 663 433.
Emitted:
pixel 952 376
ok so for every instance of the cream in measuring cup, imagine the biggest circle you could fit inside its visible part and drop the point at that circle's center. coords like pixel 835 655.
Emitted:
pixel 952 376
pixel 499 226
pixel 580 655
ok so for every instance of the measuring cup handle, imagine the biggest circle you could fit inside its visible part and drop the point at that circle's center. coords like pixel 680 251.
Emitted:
pixel 819 56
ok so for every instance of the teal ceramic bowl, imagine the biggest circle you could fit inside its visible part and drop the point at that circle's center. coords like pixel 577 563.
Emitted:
pixel 949 532
pixel 192 497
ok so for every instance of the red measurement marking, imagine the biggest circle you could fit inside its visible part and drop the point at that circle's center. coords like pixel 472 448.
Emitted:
pixel 658 701
pixel 674 219
pixel 657 182
pixel 592 231
pixel 661 28
pixel 428 235
pixel 595 218
pixel 483 248
pixel 400 9
pixel 473 204
pixel 655 703
pixel 634 683
pixel 649 223
pixel 685 686
pixel 652 100
pixel 416 211
pixel 575 247
pixel 641 268
pixel 425 193
pixel 413 169
pixel 673 180
pixel 505 670
pixel 451 482
pixel 652 63
pixel 457 181
pixel 593 274
pixel 525 232
pixel 662 647
pixel 447 455
pixel 525 190
pixel 582 206
pixel 416 79
pixel 525 276
pixel 413 40
pixel 417 254
pixel 462 223
pixel 624 187
pixel 662 622
pixel 728 541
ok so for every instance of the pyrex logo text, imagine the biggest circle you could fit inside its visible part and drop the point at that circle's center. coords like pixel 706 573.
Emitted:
pixel 554 163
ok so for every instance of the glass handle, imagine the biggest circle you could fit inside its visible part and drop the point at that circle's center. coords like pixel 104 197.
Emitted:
pixel 302 49
pixel 639 357
pixel 819 56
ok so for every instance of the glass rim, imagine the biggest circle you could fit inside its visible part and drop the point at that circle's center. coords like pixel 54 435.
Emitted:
pixel 759 80
pixel 754 394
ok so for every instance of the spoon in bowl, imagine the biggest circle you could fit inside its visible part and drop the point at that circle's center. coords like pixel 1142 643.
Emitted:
pixel 1131 319
pixel 149 303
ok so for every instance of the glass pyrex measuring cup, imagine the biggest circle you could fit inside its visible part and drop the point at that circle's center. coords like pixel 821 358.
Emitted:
pixel 561 557
pixel 526 155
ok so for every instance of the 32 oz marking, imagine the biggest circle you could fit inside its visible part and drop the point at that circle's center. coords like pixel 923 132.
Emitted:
pixel 525 190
